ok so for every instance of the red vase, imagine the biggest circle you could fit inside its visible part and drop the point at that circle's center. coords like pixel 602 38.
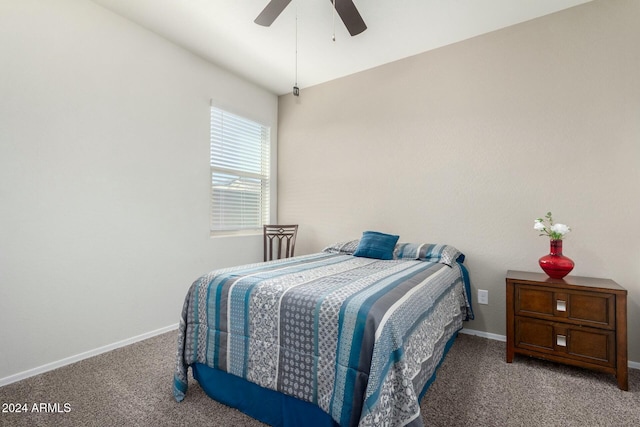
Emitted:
pixel 555 264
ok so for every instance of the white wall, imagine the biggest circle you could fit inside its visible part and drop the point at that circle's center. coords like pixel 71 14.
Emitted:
pixel 104 179
pixel 468 144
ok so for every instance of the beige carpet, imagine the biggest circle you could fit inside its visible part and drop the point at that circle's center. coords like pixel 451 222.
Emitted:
pixel 131 386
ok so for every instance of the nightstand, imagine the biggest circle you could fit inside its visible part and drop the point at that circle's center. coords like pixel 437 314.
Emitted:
pixel 580 321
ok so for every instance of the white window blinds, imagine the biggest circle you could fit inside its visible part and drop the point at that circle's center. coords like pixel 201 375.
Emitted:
pixel 239 173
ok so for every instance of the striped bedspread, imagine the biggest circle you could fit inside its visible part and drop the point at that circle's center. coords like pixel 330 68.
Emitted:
pixel 358 337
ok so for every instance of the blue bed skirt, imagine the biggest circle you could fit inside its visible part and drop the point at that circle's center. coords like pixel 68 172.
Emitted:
pixel 269 406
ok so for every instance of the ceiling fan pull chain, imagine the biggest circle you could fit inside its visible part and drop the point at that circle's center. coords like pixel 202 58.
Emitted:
pixel 334 19
pixel 296 90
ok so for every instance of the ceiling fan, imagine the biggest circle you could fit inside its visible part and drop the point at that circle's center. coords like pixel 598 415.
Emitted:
pixel 345 8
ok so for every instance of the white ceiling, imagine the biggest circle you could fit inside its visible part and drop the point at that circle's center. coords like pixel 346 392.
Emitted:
pixel 223 32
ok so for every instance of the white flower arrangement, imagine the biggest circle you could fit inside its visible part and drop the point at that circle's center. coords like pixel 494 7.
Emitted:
pixel 554 231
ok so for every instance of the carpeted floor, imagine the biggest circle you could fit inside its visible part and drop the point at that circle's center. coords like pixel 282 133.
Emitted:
pixel 131 386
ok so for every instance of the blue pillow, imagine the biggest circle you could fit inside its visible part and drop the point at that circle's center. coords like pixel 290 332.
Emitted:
pixel 376 245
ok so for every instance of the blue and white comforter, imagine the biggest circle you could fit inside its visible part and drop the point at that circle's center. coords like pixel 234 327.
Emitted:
pixel 359 337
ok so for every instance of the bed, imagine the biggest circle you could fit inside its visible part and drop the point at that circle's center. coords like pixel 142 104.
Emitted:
pixel 338 337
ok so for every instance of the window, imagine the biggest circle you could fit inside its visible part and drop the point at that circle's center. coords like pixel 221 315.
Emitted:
pixel 239 174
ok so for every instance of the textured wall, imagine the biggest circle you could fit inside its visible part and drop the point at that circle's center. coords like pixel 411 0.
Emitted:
pixel 469 143
pixel 104 179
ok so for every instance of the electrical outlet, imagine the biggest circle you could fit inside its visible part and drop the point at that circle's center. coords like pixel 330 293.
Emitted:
pixel 483 296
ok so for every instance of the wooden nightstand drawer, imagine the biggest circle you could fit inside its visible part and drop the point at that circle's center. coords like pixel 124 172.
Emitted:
pixel 579 307
pixel 590 345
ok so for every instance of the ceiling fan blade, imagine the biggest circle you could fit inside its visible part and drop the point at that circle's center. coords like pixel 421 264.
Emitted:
pixel 350 16
pixel 271 12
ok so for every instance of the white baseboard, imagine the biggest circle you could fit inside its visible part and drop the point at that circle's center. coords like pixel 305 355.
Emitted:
pixel 483 334
pixel 87 354
pixel 503 338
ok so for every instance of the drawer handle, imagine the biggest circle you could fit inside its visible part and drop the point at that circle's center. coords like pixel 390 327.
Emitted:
pixel 561 340
pixel 561 305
